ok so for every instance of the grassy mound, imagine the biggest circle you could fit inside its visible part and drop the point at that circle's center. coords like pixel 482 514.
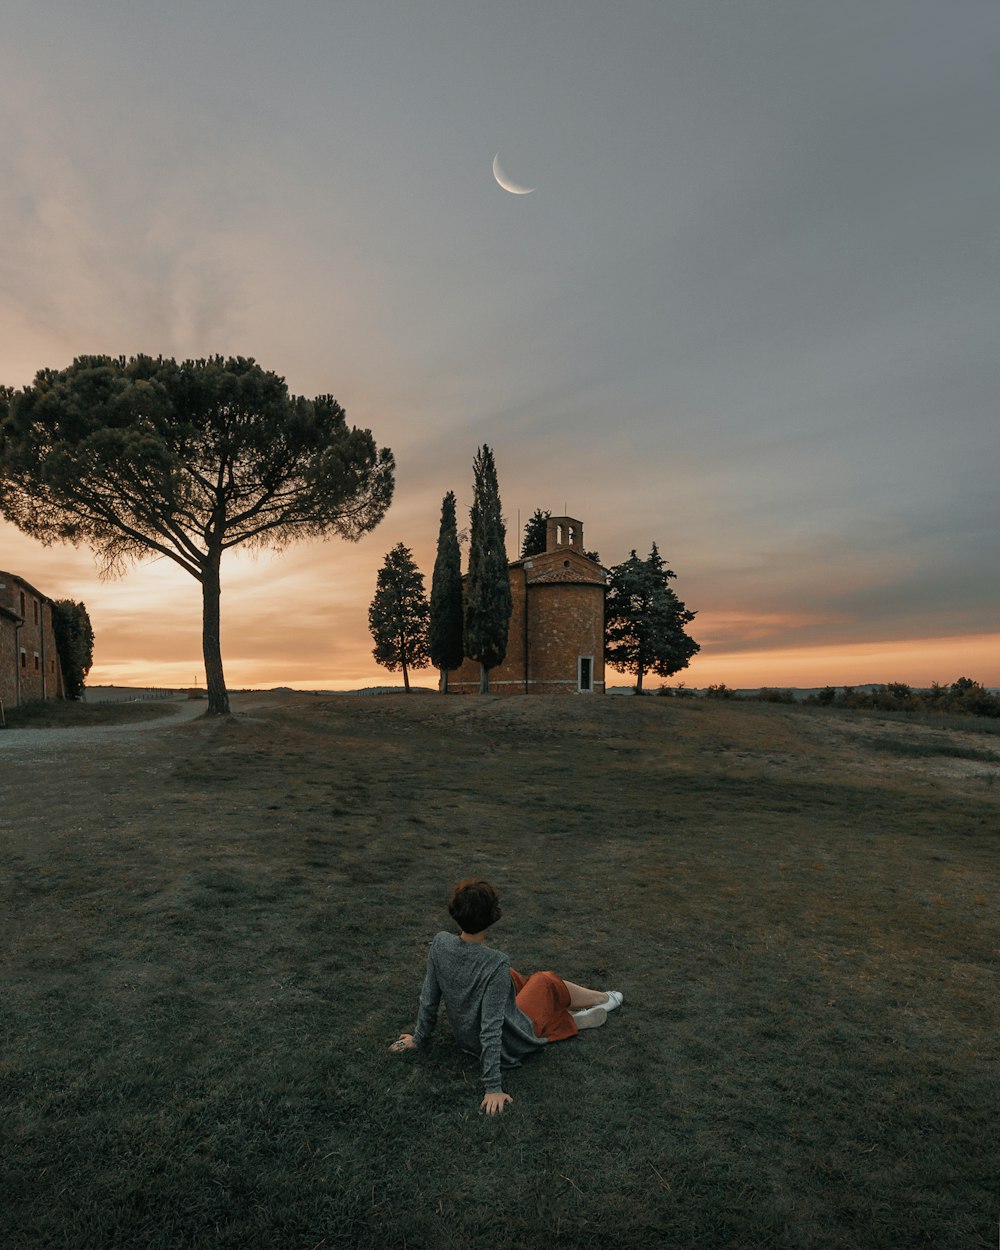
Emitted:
pixel 218 929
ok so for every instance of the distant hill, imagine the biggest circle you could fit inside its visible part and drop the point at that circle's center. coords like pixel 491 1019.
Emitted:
pixel 130 694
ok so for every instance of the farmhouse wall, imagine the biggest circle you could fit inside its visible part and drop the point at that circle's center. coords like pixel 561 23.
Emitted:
pixel 29 661
pixel 8 658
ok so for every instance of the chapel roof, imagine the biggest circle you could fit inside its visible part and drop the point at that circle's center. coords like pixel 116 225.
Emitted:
pixel 560 566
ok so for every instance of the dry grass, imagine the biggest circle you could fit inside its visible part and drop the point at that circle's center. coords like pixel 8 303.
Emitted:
pixel 218 929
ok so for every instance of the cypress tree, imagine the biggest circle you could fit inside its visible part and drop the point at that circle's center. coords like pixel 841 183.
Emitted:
pixel 488 602
pixel 398 614
pixel 533 542
pixel 445 633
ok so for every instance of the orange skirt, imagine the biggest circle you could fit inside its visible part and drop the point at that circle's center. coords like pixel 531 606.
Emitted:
pixel 544 999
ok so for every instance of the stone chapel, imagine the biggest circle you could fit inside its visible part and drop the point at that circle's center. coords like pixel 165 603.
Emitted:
pixel 555 640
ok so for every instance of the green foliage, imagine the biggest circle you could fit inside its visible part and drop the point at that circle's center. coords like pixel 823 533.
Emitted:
pixel 488 601
pixel 972 698
pixel 719 691
pixel 533 542
pixel 644 620
pixel 445 643
pixel 964 697
pixel 767 694
pixel 680 691
pixel 399 615
pixel 74 642
pixel 141 456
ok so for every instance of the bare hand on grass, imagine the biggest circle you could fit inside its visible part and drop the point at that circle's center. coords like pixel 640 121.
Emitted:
pixel 403 1042
pixel 493 1104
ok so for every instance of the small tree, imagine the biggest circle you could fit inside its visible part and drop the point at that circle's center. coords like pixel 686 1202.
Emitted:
pixel 74 642
pixel 398 615
pixel 644 620
pixel 185 460
pixel 971 696
pixel 445 633
pixel 535 534
pixel 488 601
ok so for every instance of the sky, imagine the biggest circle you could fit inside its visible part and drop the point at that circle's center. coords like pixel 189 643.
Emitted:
pixel 750 312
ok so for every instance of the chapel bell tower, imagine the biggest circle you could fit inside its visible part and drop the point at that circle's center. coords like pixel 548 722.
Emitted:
pixel 563 531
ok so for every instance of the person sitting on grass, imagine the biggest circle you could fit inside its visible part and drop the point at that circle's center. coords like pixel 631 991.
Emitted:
pixel 494 1011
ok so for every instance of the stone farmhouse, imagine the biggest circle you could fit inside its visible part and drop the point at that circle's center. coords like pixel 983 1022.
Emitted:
pixel 555 640
pixel 29 662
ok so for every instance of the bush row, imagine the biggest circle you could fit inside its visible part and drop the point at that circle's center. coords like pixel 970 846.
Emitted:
pixel 963 697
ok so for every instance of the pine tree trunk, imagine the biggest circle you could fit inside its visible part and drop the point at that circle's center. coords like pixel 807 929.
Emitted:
pixel 484 679
pixel 443 680
pixel 406 678
pixel 211 641
pixel 638 681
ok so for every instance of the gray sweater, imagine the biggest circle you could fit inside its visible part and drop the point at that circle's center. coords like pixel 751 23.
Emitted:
pixel 474 981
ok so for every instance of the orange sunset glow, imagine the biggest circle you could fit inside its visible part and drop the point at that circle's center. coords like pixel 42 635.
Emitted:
pixel 769 347
pixel 300 620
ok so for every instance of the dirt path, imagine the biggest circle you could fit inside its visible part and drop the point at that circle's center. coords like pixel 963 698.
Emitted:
pixel 34 741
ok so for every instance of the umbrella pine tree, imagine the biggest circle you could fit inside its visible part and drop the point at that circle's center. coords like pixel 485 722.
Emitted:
pixel 187 460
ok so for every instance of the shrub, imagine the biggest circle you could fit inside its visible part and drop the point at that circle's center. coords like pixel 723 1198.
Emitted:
pixel 964 697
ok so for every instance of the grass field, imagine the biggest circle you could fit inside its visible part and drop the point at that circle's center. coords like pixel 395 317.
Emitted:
pixel 214 931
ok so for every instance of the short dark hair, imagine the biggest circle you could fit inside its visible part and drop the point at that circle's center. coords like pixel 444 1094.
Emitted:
pixel 474 905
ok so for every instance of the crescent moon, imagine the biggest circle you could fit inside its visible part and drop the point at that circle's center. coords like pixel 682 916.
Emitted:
pixel 505 182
